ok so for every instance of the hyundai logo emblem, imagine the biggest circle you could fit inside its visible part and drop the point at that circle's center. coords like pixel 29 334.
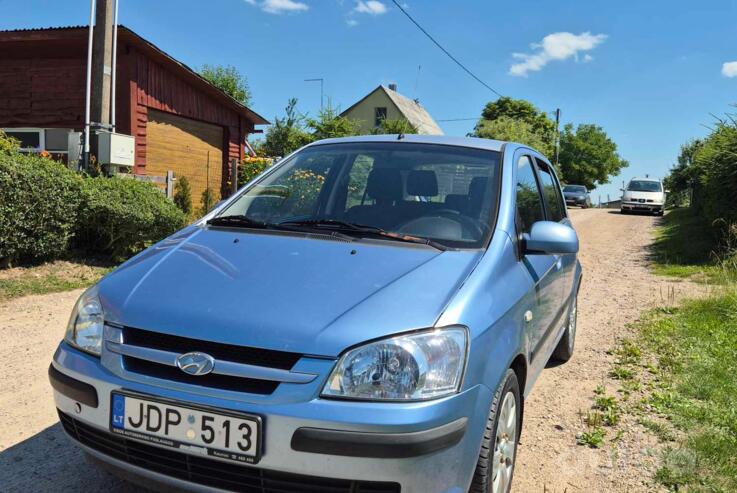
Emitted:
pixel 195 363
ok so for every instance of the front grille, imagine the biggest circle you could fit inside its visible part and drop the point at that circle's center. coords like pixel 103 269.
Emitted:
pixel 201 470
pixel 225 382
pixel 282 360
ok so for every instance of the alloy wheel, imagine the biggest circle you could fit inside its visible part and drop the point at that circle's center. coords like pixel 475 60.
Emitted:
pixel 505 445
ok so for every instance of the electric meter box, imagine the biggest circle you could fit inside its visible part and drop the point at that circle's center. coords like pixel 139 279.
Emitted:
pixel 115 149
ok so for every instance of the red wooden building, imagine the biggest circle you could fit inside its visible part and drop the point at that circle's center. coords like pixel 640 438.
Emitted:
pixel 180 121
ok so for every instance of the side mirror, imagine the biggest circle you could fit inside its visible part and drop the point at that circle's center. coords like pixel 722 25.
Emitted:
pixel 621 189
pixel 548 238
pixel 667 191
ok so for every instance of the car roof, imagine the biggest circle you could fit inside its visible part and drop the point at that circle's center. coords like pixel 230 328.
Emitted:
pixel 474 142
pixel 645 178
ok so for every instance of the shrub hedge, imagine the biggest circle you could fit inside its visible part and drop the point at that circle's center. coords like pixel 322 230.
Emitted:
pixel 46 209
pixel 39 202
pixel 121 216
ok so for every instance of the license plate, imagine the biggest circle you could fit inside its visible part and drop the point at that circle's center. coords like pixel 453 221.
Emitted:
pixel 195 429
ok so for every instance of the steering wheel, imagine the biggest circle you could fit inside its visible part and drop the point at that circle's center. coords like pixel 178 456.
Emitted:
pixel 419 225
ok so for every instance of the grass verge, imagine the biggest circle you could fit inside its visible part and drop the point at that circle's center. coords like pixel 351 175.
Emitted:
pixel 684 247
pixel 48 278
pixel 694 392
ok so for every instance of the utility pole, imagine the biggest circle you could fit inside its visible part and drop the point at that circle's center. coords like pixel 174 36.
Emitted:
pixel 557 136
pixel 102 62
pixel 322 82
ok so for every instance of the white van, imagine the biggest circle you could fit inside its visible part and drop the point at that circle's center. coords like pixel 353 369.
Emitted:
pixel 645 195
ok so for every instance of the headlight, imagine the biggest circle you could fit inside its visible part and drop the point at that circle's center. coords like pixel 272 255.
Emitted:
pixel 418 366
pixel 84 330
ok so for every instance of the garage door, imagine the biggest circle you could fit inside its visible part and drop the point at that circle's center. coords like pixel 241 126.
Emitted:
pixel 187 147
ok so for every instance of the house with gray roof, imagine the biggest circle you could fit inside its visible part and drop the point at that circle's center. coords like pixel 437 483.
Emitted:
pixel 385 103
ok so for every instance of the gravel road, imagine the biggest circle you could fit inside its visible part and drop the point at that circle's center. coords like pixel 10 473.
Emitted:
pixel 35 456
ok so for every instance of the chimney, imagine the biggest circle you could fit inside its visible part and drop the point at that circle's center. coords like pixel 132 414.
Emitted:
pixel 393 87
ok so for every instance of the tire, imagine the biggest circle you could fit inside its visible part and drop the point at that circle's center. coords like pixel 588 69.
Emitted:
pixel 622 211
pixel 564 350
pixel 489 477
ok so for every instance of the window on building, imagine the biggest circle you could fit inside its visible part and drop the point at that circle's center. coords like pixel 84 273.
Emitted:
pixel 57 139
pixel 31 139
pixel 379 115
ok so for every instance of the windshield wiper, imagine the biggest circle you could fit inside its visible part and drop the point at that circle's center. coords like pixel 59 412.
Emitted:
pixel 361 229
pixel 238 221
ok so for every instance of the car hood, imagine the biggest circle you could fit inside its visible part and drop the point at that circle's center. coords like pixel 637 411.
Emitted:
pixel 657 197
pixel 282 291
pixel 574 194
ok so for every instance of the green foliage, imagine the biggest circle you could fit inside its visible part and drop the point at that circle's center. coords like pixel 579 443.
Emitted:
pixel 251 167
pixel 696 362
pixel 8 145
pixel 39 199
pixel 183 196
pixel 287 134
pixel 517 120
pixel 593 437
pixel 715 171
pixel 394 126
pixel 329 124
pixel 523 111
pixel 121 216
pixel 588 156
pixel 507 128
pixel 683 175
pixel 207 201
pixel 229 80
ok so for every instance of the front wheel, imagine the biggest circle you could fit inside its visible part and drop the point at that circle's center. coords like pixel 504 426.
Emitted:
pixel 495 466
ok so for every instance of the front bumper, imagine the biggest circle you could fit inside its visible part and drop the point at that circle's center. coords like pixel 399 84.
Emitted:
pixel 421 446
pixel 641 206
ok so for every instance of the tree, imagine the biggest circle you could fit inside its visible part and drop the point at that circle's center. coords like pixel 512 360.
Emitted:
pixel 287 134
pixel 183 195
pixel 395 126
pixel 329 124
pixel 508 128
pixel 588 156
pixel 517 120
pixel 684 175
pixel 229 80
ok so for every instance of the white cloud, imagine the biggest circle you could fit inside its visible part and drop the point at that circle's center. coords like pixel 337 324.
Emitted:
pixel 555 46
pixel 278 6
pixel 729 69
pixel 372 7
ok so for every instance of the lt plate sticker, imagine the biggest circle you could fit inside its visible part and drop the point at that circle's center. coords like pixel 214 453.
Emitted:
pixel 118 411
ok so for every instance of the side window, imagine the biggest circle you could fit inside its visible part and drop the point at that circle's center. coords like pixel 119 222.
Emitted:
pixel 529 202
pixel 551 191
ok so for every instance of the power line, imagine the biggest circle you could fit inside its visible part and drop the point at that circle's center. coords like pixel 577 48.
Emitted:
pixel 445 51
pixel 459 119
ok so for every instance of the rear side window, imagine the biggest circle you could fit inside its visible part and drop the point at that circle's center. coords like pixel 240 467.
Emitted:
pixel 551 191
pixel 529 203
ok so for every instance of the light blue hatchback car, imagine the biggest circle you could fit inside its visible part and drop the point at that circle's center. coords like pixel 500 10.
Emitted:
pixel 367 316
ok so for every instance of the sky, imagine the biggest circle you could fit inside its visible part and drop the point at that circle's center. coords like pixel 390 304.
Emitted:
pixel 652 73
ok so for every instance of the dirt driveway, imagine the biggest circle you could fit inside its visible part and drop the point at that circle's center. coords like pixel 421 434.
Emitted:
pixel 35 455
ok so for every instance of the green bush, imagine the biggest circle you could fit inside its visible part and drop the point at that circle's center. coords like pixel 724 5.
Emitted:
pixel 39 199
pixel 183 196
pixel 121 216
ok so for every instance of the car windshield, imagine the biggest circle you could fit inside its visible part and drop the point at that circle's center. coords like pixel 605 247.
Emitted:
pixel 574 188
pixel 644 186
pixel 442 193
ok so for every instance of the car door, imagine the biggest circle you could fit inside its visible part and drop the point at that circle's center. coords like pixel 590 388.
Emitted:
pixel 542 269
pixel 555 210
